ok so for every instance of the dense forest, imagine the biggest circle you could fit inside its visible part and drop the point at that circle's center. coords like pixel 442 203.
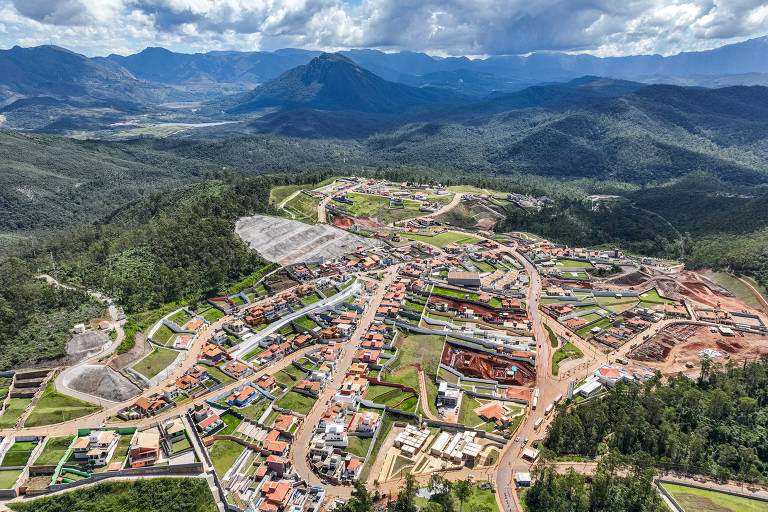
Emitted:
pixel 173 246
pixel 606 490
pixel 717 425
pixel 150 495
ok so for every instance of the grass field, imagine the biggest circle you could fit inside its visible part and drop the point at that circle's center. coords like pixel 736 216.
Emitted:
pixel 424 349
pixel 310 299
pixel 180 318
pixel 155 362
pixel 279 194
pixel 736 287
pixel 479 500
pixel 563 262
pixel 444 239
pixel 163 335
pixel 303 207
pixel 223 455
pixel 701 500
pixel 8 477
pixel 307 323
pixel 212 314
pixel 53 407
pixel 552 338
pixel 13 411
pixel 386 395
pixel 296 402
pixel 232 423
pixel 408 376
pixel 652 296
pixel 359 445
pixel 459 294
pixel 53 451
pixel 368 206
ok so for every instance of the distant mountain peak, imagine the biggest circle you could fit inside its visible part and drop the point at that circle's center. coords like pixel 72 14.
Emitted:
pixel 332 81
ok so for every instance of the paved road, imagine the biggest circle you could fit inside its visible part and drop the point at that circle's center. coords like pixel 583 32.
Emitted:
pixel 300 445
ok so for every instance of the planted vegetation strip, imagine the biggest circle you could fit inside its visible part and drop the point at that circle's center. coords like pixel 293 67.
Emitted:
pixel 552 337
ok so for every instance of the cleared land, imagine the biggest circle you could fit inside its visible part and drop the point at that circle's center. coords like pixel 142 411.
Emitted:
pixel 155 362
pixel 53 407
pixel 288 241
pixel 700 500
pixel 100 381
pixel 296 402
pixel 53 451
pixel 223 455
pixel 13 411
pixel 733 285
pixel 303 208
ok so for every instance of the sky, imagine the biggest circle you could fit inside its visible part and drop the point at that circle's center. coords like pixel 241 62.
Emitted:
pixel 447 27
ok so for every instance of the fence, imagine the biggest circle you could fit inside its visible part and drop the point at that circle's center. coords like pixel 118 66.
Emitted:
pixel 191 468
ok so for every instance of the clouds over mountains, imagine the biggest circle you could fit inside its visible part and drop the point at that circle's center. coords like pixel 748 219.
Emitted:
pixel 450 27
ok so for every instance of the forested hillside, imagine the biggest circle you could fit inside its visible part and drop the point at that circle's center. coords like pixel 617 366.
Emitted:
pixel 717 425
pixel 172 246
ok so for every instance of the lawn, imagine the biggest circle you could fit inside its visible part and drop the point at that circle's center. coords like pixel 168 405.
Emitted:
pixel 459 294
pixel 121 452
pixel 13 411
pixel 181 444
pixel 154 363
pixel 8 477
pixel 223 455
pixel 467 414
pixel 359 445
pixel 563 262
pixel 16 458
pixel 307 323
pixel 310 299
pixel 163 335
pixel 567 351
pixel 212 314
pixel 701 500
pixel 5 385
pixel 444 239
pixel 53 451
pixel 653 296
pixel 482 266
pixel 54 407
pixel 232 422
pixel 296 402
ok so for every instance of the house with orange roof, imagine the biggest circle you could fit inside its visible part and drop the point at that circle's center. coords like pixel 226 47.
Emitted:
pixel 284 422
pixel 267 383
pixel 238 369
pixel 214 353
pixel 354 385
pixel 275 496
pixel 494 413
pixel 368 356
pixel 358 368
pixel 186 382
pixel 280 465
pixel 353 467
pixel 311 387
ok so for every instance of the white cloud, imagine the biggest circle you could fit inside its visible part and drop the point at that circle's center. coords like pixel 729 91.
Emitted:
pixel 444 27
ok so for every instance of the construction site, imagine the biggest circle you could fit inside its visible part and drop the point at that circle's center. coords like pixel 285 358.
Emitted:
pixel 681 347
pixel 290 241
pixel 480 364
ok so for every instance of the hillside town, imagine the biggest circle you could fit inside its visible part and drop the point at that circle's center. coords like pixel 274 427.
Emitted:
pixel 424 347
